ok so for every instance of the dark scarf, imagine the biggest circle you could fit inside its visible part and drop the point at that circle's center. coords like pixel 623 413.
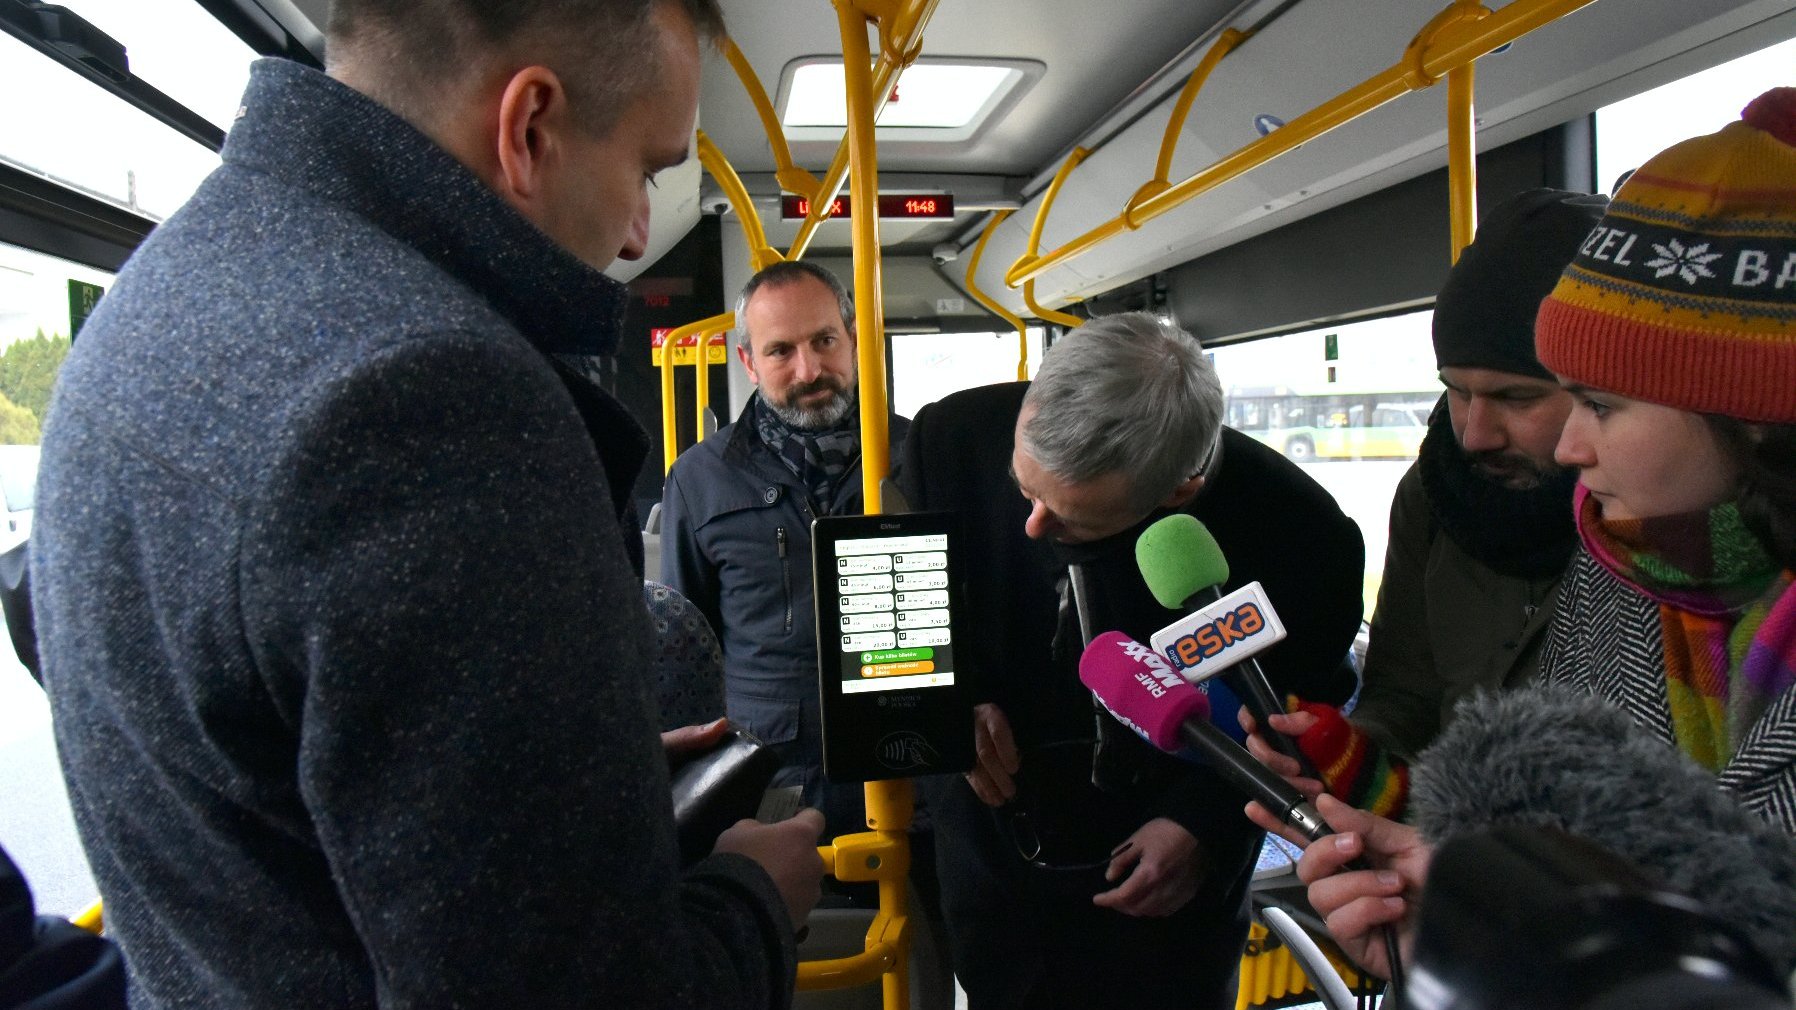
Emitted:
pixel 1521 534
pixel 819 459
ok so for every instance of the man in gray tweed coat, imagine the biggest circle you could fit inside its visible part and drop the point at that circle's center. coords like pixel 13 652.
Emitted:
pixel 336 579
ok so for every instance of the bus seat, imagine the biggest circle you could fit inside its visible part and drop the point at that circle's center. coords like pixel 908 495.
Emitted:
pixel 15 604
pixel 48 963
pixel 687 663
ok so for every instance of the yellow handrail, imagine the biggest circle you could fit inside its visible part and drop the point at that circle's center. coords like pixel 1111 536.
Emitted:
pixel 1175 125
pixel 1041 219
pixel 1022 331
pixel 760 254
pixel 1458 44
pixel 670 434
pixel 1462 127
pixel 92 918
pixel 789 175
pixel 702 377
pixel 901 38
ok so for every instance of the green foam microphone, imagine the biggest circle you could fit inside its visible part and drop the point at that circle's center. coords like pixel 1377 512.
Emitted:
pixel 1179 559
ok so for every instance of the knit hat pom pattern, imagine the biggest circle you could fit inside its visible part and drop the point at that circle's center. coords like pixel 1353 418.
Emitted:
pixel 1775 113
pixel 1684 294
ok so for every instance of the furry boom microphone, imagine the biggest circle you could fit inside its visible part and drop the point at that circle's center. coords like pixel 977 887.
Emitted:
pixel 1562 759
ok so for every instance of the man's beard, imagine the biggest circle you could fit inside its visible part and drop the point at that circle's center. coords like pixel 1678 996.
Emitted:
pixel 824 415
pixel 1511 470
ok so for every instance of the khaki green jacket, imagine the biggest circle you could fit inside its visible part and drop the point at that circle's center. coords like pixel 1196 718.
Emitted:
pixel 1445 626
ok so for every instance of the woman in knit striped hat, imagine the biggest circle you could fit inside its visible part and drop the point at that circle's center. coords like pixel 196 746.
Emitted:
pixel 1675 329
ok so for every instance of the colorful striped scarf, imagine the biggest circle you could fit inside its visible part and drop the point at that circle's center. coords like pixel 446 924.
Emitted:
pixel 1727 615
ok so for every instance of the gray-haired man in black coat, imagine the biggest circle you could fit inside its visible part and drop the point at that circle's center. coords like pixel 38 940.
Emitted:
pixel 1132 892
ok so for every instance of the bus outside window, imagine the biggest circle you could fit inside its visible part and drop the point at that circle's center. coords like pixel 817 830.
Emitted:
pixel 1347 402
pixel 35 322
pixel 929 366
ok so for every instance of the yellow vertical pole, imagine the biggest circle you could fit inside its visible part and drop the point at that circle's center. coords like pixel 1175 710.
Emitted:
pixel 702 379
pixel 670 426
pixel 889 803
pixel 1462 157
pixel 869 303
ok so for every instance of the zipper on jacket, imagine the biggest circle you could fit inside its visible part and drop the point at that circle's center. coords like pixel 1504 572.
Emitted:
pixel 779 536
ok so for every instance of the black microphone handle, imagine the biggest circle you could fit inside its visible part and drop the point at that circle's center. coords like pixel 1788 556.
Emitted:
pixel 1260 783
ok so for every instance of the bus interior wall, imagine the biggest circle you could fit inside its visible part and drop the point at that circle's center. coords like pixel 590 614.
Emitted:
pixel 1379 253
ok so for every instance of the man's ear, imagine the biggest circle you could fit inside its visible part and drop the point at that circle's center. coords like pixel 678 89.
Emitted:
pixel 748 363
pixel 1184 492
pixel 533 113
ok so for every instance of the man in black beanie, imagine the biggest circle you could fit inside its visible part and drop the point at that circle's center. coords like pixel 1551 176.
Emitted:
pixel 1481 527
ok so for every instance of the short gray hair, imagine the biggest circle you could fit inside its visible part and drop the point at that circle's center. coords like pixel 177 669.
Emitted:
pixel 606 52
pixel 1129 392
pixel 778 276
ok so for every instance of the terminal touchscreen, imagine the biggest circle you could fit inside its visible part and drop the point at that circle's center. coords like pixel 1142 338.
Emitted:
pixel 895 702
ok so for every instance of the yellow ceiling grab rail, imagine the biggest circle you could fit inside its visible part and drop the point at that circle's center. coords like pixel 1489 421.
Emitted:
pixel 972 284
pixel 760 254
pixel 1455 44
pixel 1462 124
pixel 790 177
pixel 1041 219
pixel 1175 125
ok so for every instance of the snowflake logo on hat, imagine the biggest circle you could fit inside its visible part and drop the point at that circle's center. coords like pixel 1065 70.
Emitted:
pixel 1691 264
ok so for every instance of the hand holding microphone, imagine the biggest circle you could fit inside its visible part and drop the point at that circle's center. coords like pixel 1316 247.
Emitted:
pixel 1292 725
pixel 1139 687
pixel 1363 881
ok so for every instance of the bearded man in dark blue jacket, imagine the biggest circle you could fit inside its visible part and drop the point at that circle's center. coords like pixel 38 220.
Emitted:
pixel 337 582
pixel 737 512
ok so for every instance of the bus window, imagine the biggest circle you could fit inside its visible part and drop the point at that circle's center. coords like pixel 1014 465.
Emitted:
pixel 181 49
pixel 929 366
pixel 75 135
pixel 1634 129
pixel 36 293
pixel 1349 403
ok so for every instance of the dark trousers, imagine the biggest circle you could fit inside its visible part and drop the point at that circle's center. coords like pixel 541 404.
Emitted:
pixel 1025 938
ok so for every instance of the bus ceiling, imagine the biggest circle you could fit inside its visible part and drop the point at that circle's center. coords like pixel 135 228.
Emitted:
pixel 1090 78
pixel 1105 87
